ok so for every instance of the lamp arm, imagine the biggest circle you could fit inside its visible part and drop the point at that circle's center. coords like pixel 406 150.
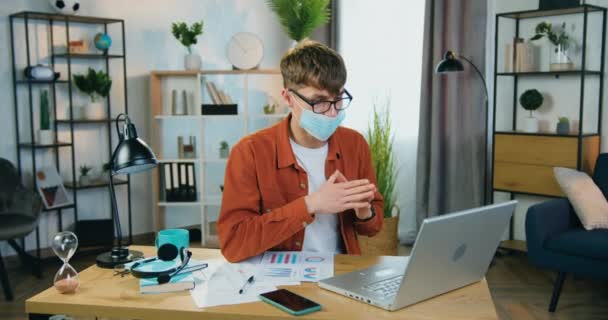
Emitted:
pixel 483 79
pixel 486 196
pixel 115 210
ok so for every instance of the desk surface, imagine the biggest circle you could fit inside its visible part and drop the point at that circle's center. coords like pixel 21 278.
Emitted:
pixel 103 295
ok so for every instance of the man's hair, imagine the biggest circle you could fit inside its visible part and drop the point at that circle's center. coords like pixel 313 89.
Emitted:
pixel 313 64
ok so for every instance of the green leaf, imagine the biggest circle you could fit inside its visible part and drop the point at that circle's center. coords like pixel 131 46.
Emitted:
pixel 380 138
pixel 187 35
pixel 299 18
pixel 536 37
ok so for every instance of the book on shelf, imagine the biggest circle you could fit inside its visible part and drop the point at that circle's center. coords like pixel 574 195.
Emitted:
pixel 213 93
pixel 180 282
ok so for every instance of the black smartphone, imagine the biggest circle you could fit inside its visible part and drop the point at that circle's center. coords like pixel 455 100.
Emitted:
pixel 290 302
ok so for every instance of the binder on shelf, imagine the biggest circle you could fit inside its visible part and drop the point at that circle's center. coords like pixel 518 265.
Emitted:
pixel 223 109
pixel 178 182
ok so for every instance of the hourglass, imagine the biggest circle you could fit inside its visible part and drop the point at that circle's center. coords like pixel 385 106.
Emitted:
pixel 64 245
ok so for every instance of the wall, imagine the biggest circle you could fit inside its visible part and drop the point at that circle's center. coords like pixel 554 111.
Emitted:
pixel 561 95
pixel 150 46
pixel 381 43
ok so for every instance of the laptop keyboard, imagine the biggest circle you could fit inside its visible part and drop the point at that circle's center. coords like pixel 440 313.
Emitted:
pixel 387 287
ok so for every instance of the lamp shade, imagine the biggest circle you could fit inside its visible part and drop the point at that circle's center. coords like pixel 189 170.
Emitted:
pixel 132 154
pixel 449 64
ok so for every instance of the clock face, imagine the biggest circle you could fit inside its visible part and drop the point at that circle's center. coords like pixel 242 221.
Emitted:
pixel 245 50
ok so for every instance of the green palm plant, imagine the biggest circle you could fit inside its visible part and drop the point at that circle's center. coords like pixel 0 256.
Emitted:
pixel 300 18
pixel 380 138
pixel 94 83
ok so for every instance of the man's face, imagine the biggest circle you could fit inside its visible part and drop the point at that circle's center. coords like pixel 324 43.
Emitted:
pixel 309 97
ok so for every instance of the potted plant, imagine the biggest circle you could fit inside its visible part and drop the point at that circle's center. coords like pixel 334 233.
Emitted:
pixel 84 179
pixel 563 126
pixel 45 134
pixel 380 138
pixel 187 36
pixel 299 18
pixel 559 59
pixel 531 100
pixel 270 109
pixel 96 84
pixel 224 150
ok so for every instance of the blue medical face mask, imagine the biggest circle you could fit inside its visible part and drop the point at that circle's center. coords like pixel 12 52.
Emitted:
pixel 319 126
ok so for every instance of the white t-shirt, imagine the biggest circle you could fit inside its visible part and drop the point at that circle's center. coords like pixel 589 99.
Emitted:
pixel 322 235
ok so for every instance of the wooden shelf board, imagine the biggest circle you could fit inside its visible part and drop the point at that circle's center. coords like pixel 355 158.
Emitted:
pixel 94 184
pixel 519 133
pixel 551 73
pixel 63 17
pixel 88 55
pixel 547 13
pixel 166 73
pixel 41 146
pixel 179 204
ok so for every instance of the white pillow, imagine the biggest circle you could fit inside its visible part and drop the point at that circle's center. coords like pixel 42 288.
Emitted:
pixel 585 196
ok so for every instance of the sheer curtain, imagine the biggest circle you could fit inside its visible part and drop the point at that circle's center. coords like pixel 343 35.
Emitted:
pixel 450 168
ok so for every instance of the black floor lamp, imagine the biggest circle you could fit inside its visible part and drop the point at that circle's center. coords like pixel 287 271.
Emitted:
pixel 132 155
pixel 451 63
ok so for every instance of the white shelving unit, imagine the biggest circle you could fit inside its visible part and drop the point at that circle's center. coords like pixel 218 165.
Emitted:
pixel 164 137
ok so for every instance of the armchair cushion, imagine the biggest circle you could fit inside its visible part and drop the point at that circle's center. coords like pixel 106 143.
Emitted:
pixel 587 199
pixel 579 242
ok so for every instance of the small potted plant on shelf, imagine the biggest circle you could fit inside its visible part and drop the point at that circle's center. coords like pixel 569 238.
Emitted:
pixel 84 179
pixel 96 84
pixel 45 134
pixel 559 60
pixel 270 109
pixel 224 150
pixel 299 18
pixel 380 137
pixel 531 100
pixel 187 36
pixel 563 126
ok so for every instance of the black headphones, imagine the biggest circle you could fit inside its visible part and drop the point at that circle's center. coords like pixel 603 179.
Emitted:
pixel 166 252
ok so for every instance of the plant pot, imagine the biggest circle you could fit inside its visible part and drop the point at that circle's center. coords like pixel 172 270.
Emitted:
pixel 46 137
pixel 94 111
pixel 530 125
pixel 559 60
pixel 385 242
pixel 224 153
pixel 84 181
pixel 563 128
pixel 193 61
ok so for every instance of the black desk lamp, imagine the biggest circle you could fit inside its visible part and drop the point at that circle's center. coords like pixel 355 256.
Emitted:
pixel 451 63
pixel 132 155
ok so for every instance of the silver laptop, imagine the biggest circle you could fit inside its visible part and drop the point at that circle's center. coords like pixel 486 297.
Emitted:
pixel 451 251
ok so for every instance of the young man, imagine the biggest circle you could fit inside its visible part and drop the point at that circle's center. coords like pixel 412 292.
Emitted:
pixel 305 183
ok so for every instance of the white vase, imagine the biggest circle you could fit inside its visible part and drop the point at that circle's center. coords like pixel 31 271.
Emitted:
pixel 46 137
pixel 530 125
pixel 192 61
pixel 84 180
pixel 94 111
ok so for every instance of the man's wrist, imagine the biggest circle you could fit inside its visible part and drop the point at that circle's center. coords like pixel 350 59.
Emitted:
pixel 370 213
pixel 309 204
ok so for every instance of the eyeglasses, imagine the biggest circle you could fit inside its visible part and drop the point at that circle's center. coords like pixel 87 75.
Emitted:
pixel 322 106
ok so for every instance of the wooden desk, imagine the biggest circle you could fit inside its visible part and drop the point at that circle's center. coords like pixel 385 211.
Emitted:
pixel 103 295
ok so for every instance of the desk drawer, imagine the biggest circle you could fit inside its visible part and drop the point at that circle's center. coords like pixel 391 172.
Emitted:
pixel 525 178
pixel 549 151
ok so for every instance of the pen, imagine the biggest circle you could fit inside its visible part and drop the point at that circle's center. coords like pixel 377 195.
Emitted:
pixel 246 285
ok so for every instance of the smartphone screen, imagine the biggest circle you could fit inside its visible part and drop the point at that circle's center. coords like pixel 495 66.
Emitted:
pixel 290 300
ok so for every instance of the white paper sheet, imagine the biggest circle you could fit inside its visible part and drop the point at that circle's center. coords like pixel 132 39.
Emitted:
pixel 291 267
pixel 219 284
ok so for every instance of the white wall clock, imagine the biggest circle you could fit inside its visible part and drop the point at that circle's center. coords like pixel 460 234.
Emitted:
pixel 245 51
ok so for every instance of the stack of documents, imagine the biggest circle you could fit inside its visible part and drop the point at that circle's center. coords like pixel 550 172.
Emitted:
pixel 220 282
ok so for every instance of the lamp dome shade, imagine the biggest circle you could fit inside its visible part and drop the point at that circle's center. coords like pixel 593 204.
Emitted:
pixel 449 64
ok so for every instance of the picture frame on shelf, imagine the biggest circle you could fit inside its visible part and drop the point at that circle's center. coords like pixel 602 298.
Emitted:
pixel 51 188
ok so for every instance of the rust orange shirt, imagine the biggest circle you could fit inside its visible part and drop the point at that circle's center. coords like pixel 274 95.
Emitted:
pixel 263 204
